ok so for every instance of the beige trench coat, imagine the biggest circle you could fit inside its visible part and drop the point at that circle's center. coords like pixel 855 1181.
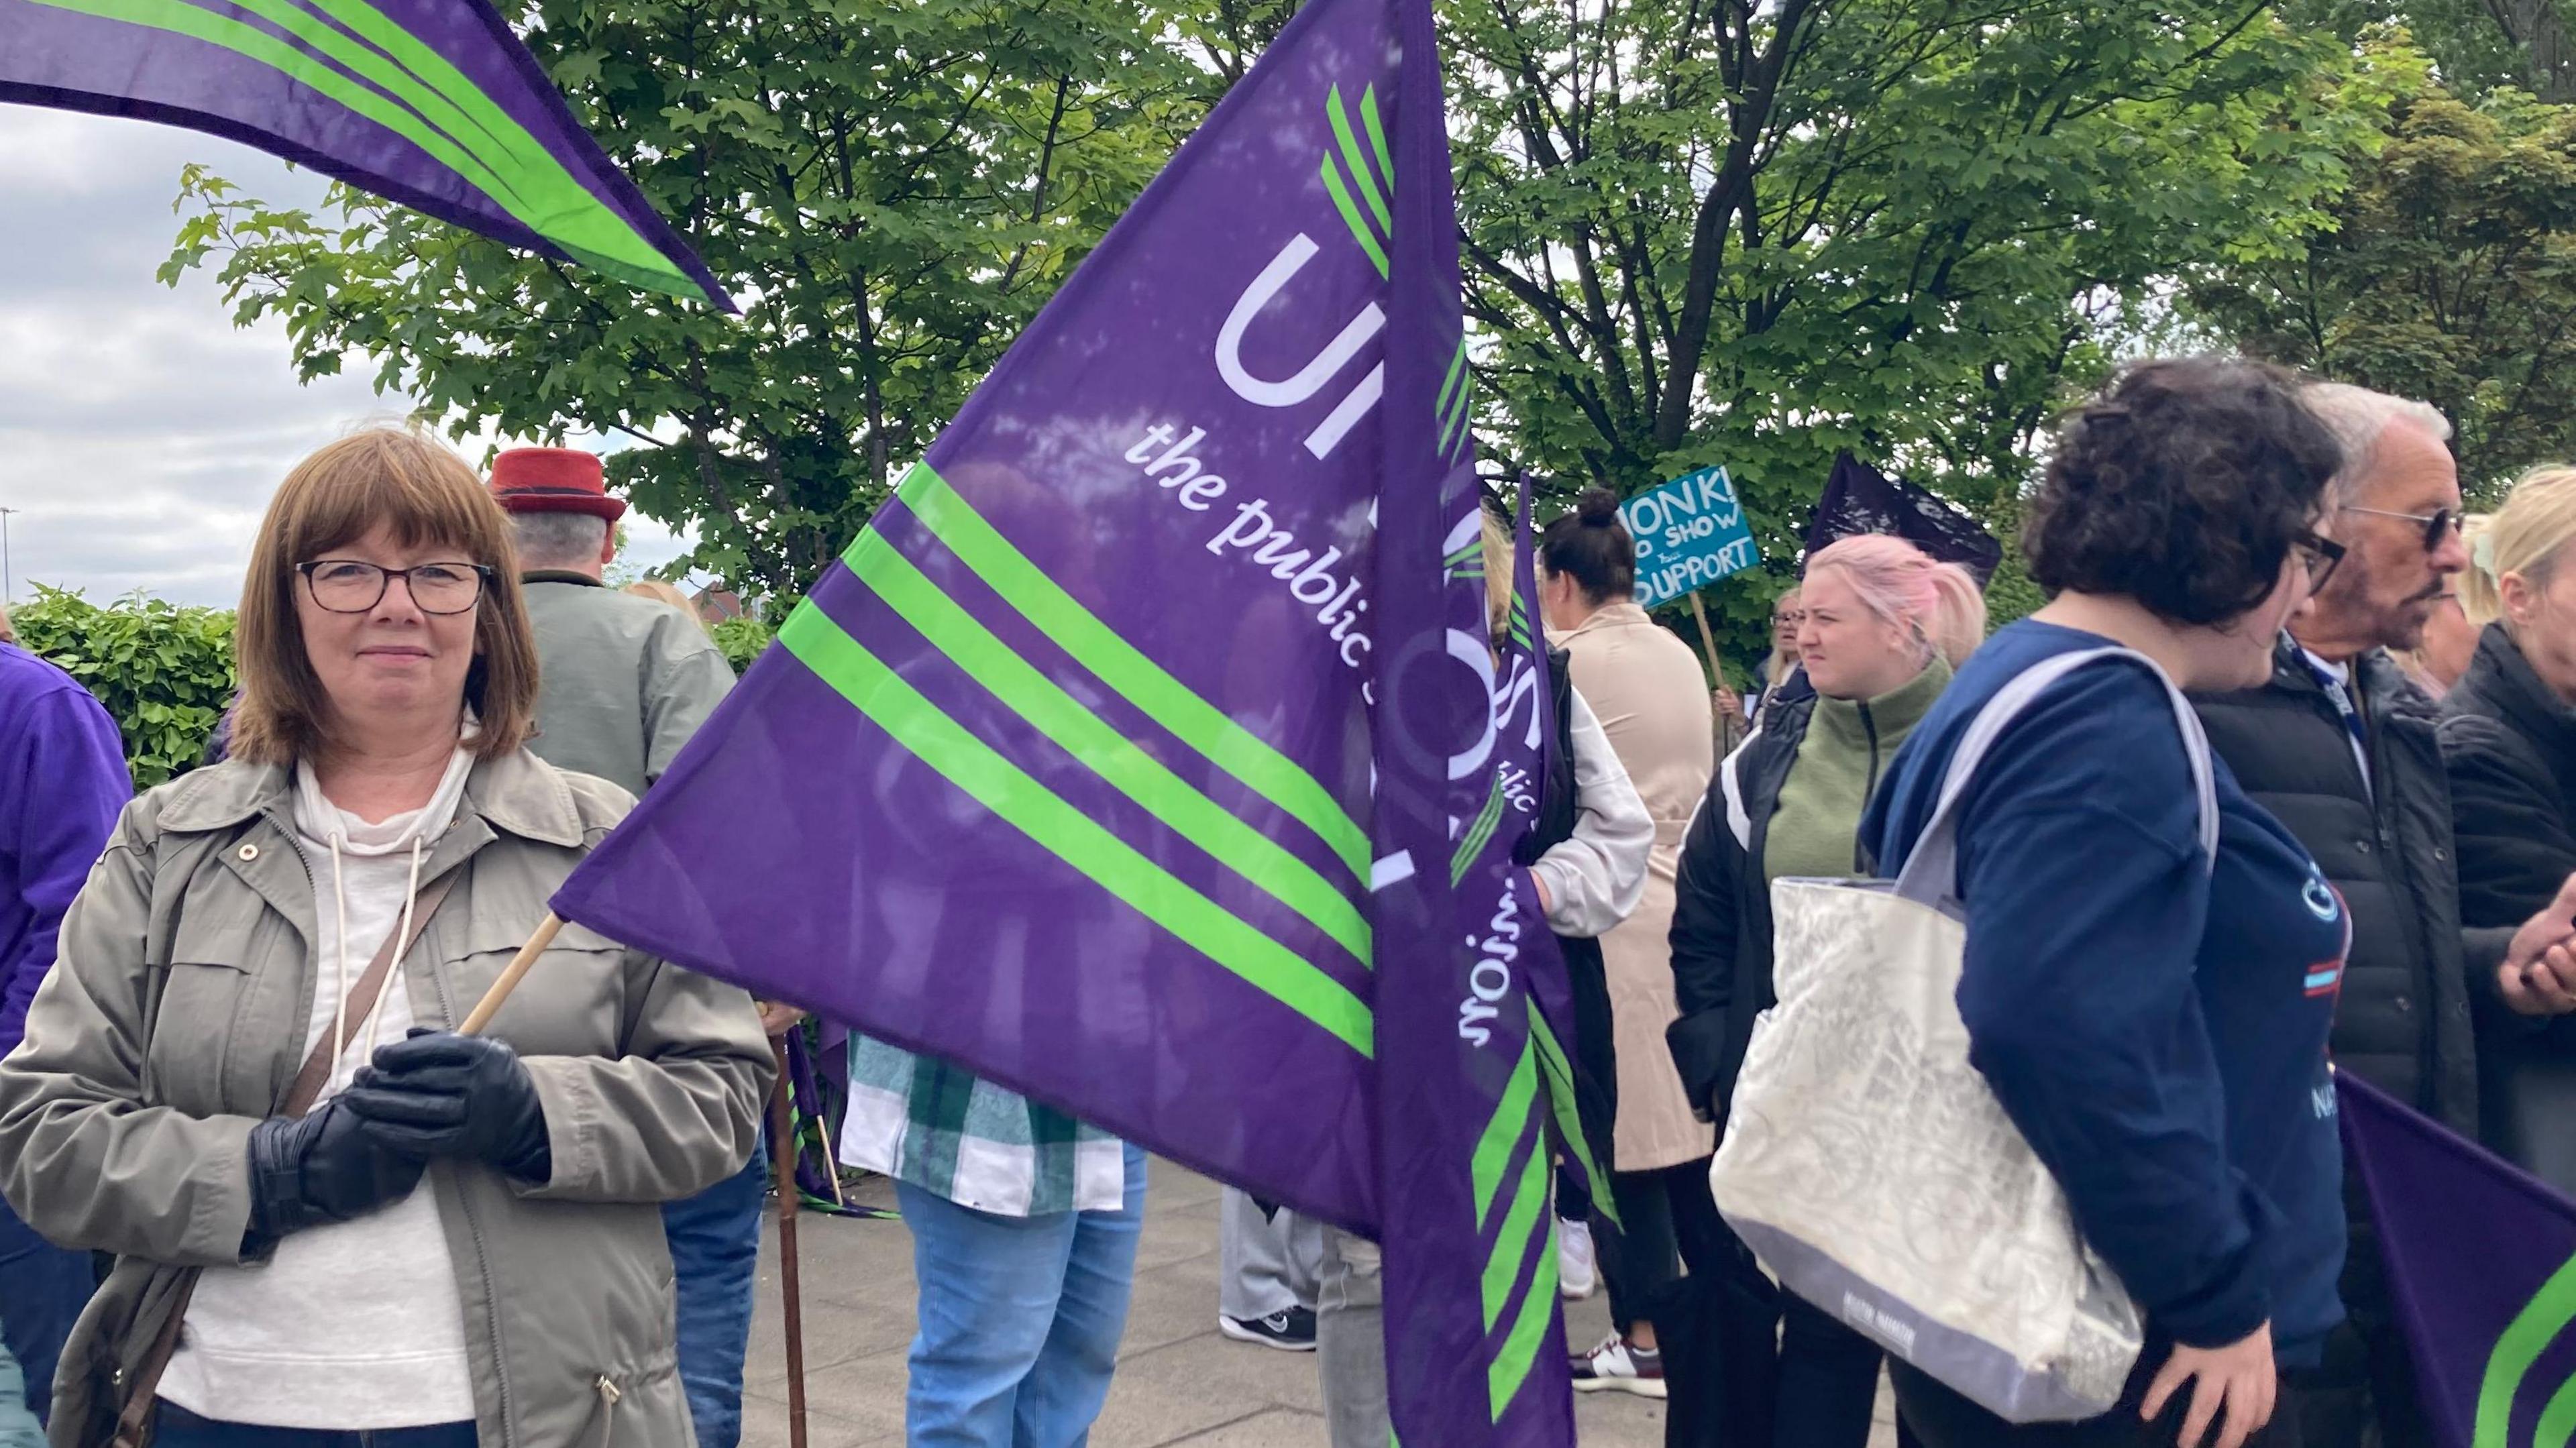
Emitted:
pixel 1646 687
pixel 174 1020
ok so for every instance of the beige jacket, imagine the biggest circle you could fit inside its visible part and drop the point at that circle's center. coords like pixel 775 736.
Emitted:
pixel 173 1022
pixel 1646 687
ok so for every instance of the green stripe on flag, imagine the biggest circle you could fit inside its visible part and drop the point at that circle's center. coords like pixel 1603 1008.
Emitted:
pixel 1529 1203
pixel 1559 1076
pixel 1449 384
pixel 1125 668
pixel 1002 787
pixel 541 196
pixel 1357 160
pixel 1511 1367
pixel 1351 215
pixel 1377 137
pixel 1502 1131
pixel 2517 1349
pixel 1472 843
pixel 1048 708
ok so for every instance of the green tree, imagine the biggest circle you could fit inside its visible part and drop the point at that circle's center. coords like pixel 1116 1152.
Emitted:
pixel 2450 275
pixel 890 190
pixel 1757 234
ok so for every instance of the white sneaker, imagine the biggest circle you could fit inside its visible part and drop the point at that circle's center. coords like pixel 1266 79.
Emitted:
pixel 1576 1275
pixel 1617 1365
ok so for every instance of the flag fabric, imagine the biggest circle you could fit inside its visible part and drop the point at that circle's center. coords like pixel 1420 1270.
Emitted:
pixel 1861 499
pixel 2481 1259
pixel 1062 773
pixel 431 103
pixel 1138 755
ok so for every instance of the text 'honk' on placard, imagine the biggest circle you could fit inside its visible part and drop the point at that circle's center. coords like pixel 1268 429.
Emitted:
pixel 1690 533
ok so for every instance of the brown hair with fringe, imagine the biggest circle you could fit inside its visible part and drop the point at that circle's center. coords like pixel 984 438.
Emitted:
pixel 423 493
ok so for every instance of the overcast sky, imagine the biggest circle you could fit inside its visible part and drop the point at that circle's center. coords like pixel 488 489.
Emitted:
pixel 140 432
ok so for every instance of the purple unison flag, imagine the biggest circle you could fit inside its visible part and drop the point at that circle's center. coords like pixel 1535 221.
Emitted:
pixel 432 103
pixel 1861 499
pixel 1063 773
pixel 2482 1260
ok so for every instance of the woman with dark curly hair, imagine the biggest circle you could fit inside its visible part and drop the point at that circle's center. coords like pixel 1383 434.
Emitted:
pixel 2150 1011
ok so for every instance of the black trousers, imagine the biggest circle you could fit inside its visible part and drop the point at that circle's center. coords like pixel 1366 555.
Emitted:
pixel 1747 1365
pixel 1941 1418
pixel 1668 1222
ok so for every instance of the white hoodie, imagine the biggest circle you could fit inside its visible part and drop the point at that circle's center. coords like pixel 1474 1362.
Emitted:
pixel 351 1325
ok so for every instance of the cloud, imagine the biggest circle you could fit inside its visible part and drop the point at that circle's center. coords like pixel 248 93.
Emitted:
pixel 141 433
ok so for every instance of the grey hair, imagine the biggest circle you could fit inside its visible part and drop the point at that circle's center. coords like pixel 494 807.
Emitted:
pixel 557 540
pixel 2357 416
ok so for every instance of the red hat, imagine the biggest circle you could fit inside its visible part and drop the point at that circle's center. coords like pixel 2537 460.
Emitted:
pixel 553 480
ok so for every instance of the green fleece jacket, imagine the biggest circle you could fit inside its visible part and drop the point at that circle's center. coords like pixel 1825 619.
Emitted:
pixel 1848 745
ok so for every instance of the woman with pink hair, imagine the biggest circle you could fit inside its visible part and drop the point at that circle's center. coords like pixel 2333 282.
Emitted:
pixel 1884 625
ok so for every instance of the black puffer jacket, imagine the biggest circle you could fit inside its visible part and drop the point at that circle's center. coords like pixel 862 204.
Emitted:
pixel 1722 904
pixel 2404 1023
pixel 2510 743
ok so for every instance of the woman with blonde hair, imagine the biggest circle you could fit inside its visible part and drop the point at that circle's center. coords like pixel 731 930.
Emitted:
pixel 335 1216
pixel 1883 626
pixel 2451 633
pixel 2509 744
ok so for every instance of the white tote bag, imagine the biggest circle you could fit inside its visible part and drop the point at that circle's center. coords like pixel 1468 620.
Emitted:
pixel 1871 1168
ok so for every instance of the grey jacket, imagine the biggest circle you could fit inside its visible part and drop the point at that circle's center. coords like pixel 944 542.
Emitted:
pixel 173 1022
pixel 626 680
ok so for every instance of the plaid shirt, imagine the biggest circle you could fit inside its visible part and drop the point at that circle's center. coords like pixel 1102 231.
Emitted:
pixel 922 1121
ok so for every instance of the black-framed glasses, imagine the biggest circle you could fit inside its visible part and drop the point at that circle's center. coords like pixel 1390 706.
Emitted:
pixel 349 585
pixel 2437 525
pixel 2320 556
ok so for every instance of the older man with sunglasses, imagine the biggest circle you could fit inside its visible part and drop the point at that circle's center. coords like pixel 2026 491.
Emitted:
pixel 2340 746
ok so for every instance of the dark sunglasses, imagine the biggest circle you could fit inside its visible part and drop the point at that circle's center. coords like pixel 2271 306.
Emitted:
pixel 2437 525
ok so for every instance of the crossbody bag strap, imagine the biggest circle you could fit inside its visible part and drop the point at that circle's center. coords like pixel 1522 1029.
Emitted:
pixel 364 995
pixel 134 1419
pixel 1931 872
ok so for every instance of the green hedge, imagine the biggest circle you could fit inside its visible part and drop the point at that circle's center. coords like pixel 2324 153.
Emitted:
pixel 164 672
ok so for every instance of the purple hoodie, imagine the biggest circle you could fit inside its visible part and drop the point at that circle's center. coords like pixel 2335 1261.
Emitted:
pixel 62 782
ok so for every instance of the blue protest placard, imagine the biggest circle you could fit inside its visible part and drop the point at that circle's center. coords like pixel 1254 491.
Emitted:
pixel 1690 533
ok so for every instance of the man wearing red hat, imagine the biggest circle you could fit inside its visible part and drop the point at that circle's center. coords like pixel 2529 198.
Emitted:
pixel 623 682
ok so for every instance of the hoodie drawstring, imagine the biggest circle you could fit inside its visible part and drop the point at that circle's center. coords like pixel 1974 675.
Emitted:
pixel 374 1018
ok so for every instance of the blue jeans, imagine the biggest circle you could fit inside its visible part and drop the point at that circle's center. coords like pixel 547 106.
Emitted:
pixel 42 1291
pixel 176 1427
pixel 715 1254
pixel 1019 1319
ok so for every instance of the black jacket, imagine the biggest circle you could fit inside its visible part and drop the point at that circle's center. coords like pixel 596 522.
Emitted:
pixel 2404 1023
pixel 2510 743
pixel 1721 934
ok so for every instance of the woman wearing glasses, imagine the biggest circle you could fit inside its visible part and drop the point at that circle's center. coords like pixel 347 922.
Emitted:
pixel 2150 1014
pixel 333 1215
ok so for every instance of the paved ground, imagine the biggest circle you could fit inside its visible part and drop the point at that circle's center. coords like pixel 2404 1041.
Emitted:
pixel 1178 1381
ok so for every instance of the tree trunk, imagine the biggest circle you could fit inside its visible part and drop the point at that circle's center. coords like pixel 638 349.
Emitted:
pixel 2535 26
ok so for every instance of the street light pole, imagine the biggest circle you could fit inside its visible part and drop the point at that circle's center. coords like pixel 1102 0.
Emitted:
pixel 6 592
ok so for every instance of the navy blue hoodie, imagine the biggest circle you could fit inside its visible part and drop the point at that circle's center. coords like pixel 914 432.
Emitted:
pixel 2157 1029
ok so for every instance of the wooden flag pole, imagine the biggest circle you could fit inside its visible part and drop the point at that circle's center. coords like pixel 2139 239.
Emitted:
pixel 490 1006
pixel 1708 641
pixel 783 1156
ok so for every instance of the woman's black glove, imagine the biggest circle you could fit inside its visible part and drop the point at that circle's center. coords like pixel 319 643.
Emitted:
pixel 321 1167
pixel 442 1094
